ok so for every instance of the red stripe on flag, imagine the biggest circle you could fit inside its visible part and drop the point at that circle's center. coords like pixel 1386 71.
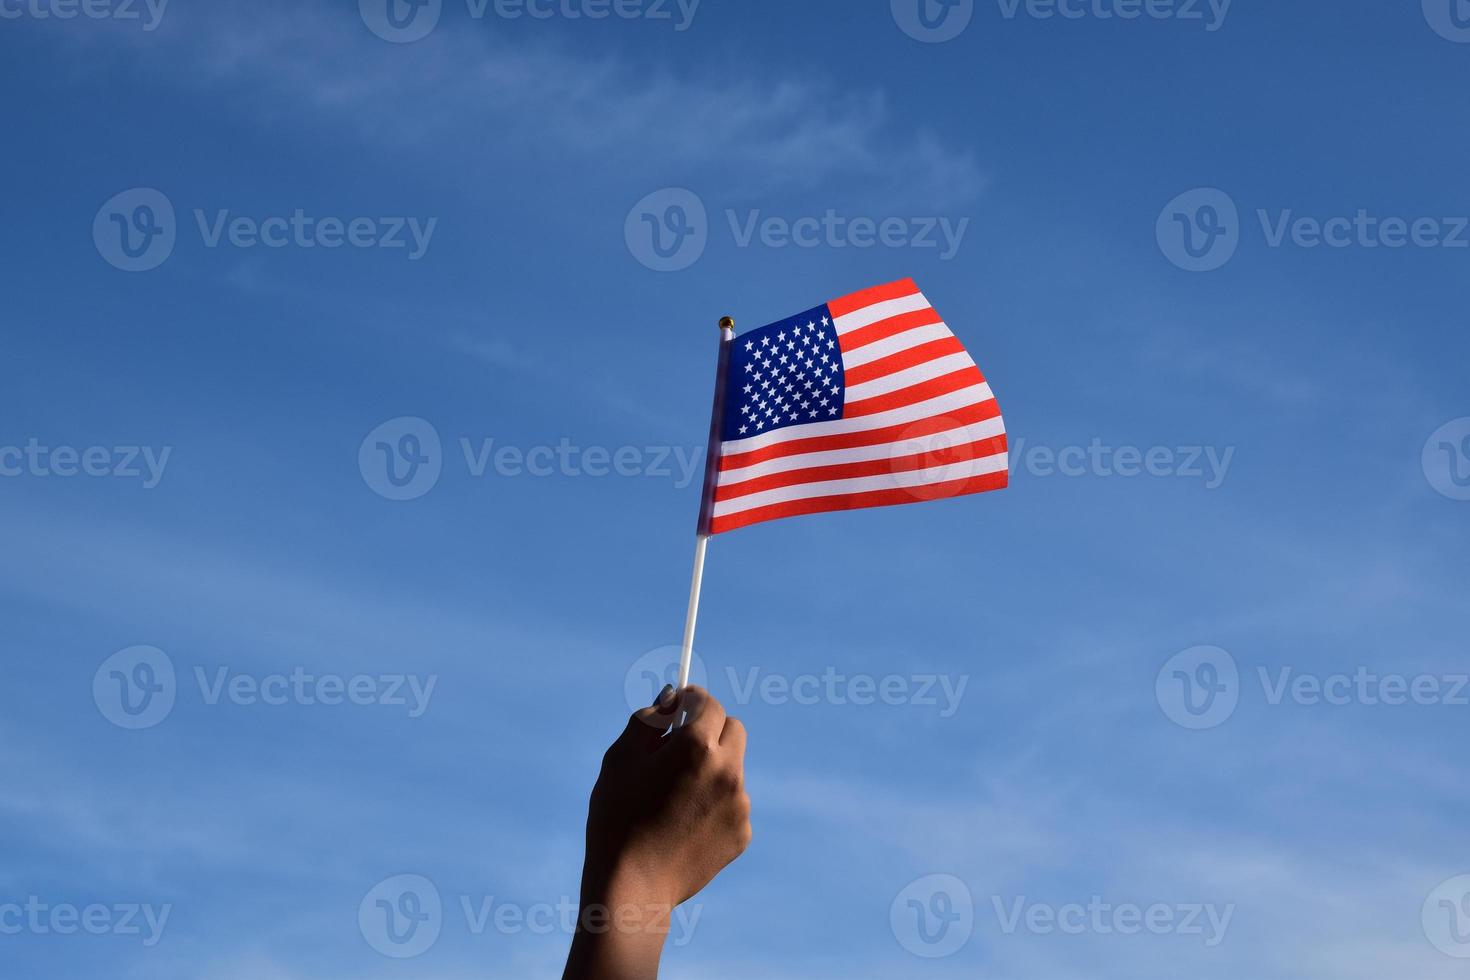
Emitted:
pixel 968 415
pixel 863 336
pixel 868 467
pixel 921 392
pixel 874 294
pixel 854 501
pixel 899 360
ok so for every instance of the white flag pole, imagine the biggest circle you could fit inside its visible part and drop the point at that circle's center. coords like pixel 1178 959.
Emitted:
pixel 686 652
pixel 706 503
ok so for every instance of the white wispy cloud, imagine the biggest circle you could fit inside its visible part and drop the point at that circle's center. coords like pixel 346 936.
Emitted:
pixel 473 96
pixel 1300 910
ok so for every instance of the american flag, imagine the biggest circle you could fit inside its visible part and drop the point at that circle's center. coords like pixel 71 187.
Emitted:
pixel 865 401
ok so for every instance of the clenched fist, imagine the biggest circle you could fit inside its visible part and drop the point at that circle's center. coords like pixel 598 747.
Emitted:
pixel 669 811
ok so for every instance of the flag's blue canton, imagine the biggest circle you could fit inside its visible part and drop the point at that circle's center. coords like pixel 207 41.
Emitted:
pixel 787 373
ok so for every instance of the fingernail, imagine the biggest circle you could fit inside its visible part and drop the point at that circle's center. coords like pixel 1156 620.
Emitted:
pixel 665 697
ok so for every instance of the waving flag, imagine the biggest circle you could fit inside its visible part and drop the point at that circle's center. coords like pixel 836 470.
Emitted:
pixel 865 401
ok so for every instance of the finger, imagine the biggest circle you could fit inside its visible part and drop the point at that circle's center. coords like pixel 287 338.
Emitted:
pixel 645 718
pixel 732 740
pixel 663 705
pixel 657 718
pixel 705 716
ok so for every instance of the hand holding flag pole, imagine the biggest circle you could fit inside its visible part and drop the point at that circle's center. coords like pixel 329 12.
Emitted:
pixel 706 504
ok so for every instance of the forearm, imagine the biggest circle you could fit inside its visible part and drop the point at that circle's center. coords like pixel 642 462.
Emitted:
pixel 620 934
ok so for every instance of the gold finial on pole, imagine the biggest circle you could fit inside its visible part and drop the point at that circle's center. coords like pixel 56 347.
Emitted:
pixel 727 323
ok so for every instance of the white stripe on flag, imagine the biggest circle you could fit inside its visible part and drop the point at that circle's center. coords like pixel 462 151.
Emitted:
pixel 962 436
pixel 858 319
pixel 962 470
pixel 941 405
pixel 894 344
pixel 936 368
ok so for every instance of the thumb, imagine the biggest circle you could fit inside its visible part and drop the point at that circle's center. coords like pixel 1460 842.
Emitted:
pixel 655 719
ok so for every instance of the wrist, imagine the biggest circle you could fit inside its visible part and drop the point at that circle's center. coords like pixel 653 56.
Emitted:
pixel 625 880
pixel 621 926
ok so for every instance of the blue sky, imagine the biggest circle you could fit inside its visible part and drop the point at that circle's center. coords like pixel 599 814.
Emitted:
pixel 1326 383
